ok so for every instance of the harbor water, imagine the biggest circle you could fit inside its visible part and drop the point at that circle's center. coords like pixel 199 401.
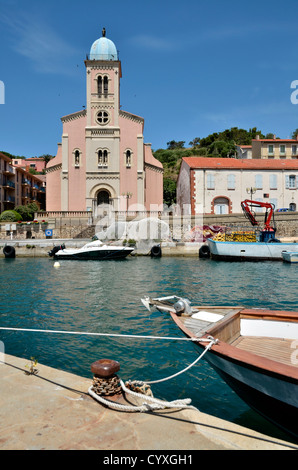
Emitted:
pixel 104 297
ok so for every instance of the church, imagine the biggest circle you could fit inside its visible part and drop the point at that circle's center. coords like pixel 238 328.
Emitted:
pixel 102 158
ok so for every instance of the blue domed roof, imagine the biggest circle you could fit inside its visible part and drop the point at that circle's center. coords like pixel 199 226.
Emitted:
pixel 103 49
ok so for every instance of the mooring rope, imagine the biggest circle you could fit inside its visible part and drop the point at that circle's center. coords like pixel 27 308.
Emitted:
pixel 117 335
pixel 209 346
pixel 151 403
pixel 154 403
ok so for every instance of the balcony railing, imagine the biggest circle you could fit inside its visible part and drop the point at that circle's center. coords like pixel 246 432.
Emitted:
pixel 11 199
pixel 8 169
pixel 9 184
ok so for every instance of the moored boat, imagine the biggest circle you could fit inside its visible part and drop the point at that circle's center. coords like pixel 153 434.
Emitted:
pixel 249 251
pixel 94 250
pixel 254 351
pixel 251 246
pixel 290 256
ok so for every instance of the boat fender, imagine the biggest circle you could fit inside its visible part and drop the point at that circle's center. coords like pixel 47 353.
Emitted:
pixel 204 251
pixel 155 251
pixel 9 251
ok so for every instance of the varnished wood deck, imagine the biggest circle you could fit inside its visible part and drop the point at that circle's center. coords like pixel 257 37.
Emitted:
pixel 199 327
pixel 277 349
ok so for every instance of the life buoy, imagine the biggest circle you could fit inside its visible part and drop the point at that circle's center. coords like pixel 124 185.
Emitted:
pixel 155 251
pixel 9 251
pixel 204 251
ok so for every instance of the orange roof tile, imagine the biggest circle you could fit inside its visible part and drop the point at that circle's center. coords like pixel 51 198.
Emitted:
pixel 275 140
pixel 244 164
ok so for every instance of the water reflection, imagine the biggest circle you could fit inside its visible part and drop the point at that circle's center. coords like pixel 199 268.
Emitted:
pixel 105 297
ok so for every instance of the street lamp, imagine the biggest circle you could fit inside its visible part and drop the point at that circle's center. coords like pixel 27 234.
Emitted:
pixel 127 196
pixel 251 191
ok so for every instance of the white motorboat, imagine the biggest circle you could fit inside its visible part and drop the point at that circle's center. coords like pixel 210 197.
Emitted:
pixel 94 250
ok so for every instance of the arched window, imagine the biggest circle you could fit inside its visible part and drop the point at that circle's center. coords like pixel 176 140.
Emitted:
pixel 99 85
pixel 128 158
pixel 221 205
pixel 105 86
pixel 102 156
pixel 76 157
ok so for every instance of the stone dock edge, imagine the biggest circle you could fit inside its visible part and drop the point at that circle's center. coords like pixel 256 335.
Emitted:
pixel 52 410
pixel 35 248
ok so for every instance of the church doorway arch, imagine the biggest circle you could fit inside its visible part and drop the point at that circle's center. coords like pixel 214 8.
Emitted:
pixel 103 197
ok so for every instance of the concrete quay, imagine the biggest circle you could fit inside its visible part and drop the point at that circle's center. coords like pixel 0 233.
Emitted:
pixel 35 248
pixel 52 410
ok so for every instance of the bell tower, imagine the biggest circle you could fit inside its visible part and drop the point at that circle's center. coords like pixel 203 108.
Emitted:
pixel 103 84
pixel 102 132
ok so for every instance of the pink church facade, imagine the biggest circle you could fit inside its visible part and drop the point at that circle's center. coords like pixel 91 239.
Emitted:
pixel 102 158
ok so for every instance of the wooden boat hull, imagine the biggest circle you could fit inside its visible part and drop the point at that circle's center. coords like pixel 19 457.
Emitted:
pixel 249 251
pixel 267 386
pixel 260 391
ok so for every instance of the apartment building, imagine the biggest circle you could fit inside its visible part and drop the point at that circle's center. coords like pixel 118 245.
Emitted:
pixel 18 186
pixel 269 148
pixel 34 163
pixel 218 185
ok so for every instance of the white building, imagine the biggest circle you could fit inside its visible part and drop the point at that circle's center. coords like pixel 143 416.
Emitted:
pixel 218 185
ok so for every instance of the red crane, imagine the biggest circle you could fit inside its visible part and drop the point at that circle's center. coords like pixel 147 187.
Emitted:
pixel 269 230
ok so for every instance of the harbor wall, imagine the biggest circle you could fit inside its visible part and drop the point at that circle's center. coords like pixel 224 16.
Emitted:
pixel 181 228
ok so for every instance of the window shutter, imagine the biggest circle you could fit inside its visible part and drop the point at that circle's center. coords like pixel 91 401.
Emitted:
pixel 287 181
pixel 273 182
pixel 259 184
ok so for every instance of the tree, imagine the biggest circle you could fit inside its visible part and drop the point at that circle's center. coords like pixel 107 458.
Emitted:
pixel 269 135
pixel 10 216
pixel 175 145
pixel 27 212
pixel 195 142
pixel 46 158
pixel 223 149
pixel 169 191
pixel 295 133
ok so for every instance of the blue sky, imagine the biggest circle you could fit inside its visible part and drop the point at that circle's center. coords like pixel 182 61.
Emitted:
pixel 188 68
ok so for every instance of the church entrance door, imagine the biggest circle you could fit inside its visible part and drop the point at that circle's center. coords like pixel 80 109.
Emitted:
pixel 103 197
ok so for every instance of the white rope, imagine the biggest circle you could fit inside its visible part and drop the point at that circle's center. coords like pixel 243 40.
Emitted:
pixel 100 334
pixel 212 341
pixel 154 403
pixel 150 404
